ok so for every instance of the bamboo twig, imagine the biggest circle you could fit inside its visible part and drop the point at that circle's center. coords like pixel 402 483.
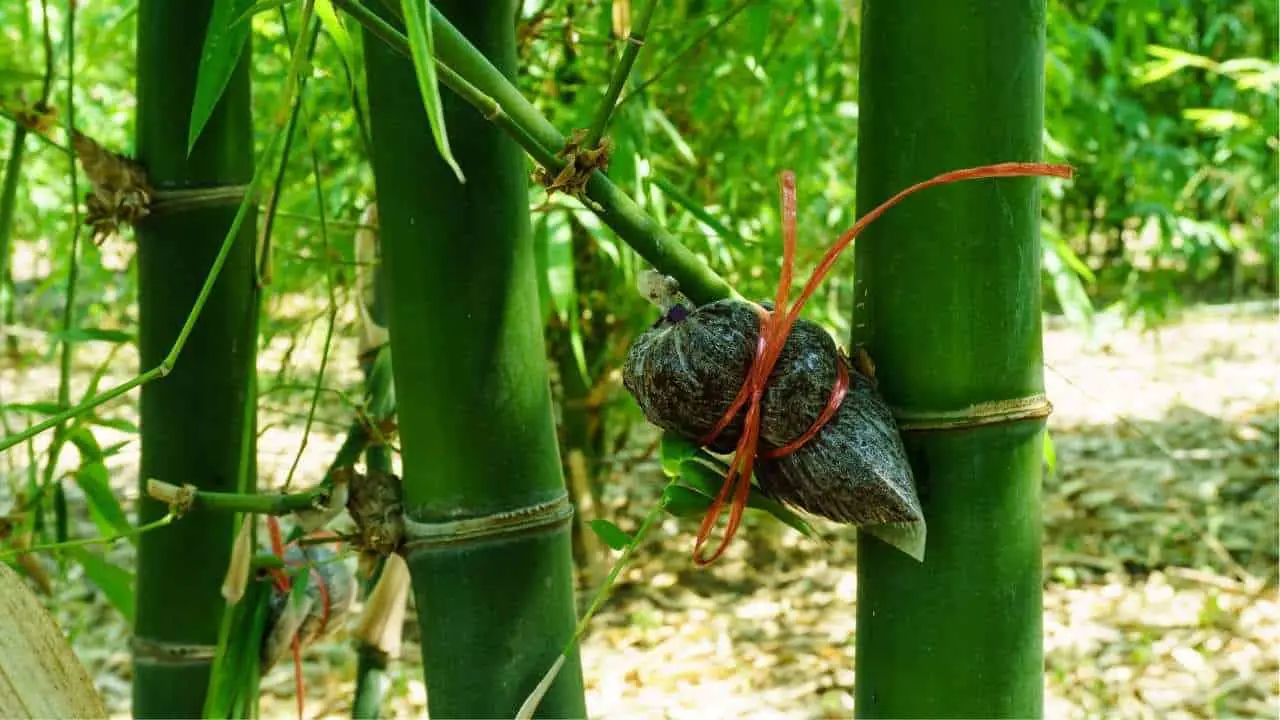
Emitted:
pixel 635 41
pixel 186 498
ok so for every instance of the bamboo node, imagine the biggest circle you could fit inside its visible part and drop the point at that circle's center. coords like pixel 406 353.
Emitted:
pixel 160 652
pixel 179 499
pixel 375 505
pixel 423 535
pixel 993 412
pixel 121 194
pixel 174 200
pixel 579 164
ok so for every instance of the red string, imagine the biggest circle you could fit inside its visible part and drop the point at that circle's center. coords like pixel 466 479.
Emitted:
pixel 776 325
pixel 282 583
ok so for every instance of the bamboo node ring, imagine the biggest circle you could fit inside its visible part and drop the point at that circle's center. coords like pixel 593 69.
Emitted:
pixel 422 535
pixel 992 412
pixel 172 200
pixel 159 652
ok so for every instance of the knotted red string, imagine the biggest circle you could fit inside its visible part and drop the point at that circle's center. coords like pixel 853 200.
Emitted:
pixel 284 585
pixel 775 326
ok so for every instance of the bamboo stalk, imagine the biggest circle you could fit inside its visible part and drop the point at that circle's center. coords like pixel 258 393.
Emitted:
pixel 471 379
pixel 948 304
pixel 194 421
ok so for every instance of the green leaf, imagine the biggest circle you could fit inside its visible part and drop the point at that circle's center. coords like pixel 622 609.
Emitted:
pixel 15 75
pixel 560 279
pixel 223 42
pixel 86 443
pixel 705 475
pixel 95 483
pixel 699 212
pixel 300 578
pixel 1050 454
pixel 233 684
pixel 682 147
pixel 42 408
pixel 1216 120
pixel 422 48
pixel 333 25
pixel 115 582
pixel 115 424
pixel 96 379
pixel 785 515
pixel 698 475
pixel 541 260
pixel 1067 285
pixel 259 7
pixel 683 502
pixel 674 450
pixel 611 534
pixel 114 448
pixel 82 334
pixel 381 384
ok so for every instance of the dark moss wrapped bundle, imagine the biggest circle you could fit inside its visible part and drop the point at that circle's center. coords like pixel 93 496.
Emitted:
pixel 326 603
pixel 686 371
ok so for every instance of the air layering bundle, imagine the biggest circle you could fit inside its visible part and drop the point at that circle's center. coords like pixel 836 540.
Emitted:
pixel 757 380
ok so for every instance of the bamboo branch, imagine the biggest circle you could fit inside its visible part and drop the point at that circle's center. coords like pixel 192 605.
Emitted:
pixel 468 73
pixel 187 498
pixel 635 41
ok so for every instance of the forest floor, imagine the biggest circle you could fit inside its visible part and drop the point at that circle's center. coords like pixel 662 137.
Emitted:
pixel 1160 579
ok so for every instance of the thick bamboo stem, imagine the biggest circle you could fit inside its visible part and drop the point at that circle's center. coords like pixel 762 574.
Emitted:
pixel 194 420
pixel 947 302
pixel 476 426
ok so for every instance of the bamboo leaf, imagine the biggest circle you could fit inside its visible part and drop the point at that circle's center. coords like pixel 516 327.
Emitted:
pixel 673 451
pixel 421 47
pixel 682 147
pixel 259 7
pixel 699 212
pixel 333 25
pixel 704 474
pixel 42 408
pixel 682 501
pixel 611 534
pixel 541 257
pixel 95 483
pixel 783 514
pixel 114 448
pixel 89 334
pixel 560 278
pixel 115 582
pixel 224 40
pixel 233 683
pixel 17 76
pixel 1050 454
pixel 1067 286
pixel 115 424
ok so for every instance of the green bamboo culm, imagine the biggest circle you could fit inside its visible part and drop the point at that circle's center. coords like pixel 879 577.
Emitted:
pixel 947 301
pixel 193 420
pixel 476 427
